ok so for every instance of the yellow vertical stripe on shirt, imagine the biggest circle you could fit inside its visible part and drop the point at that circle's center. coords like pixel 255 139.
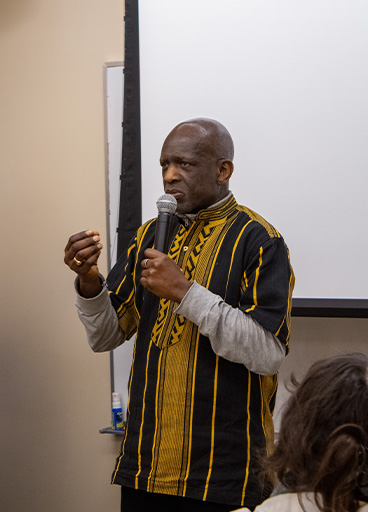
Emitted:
pixel 234 249
pixel 257 277
pixel 279 329
pixel 248 441
pixel 191 416
pixel 212 429
pixel 262 402
pixel 129 251
pixel 268 387
pixel 142 422
pixel 127 301
pixel 288 315
pixel 255 300
pixel 173 414
pixel 246 279
pixel 217 249
pixel 156 421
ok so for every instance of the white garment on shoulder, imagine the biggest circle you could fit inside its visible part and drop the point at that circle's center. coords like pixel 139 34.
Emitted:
pixel 289 502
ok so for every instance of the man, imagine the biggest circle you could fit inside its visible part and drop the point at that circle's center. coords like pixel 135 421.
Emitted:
pixel 212 322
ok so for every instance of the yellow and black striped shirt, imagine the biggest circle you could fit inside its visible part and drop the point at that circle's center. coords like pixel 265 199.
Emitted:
pixel 198 423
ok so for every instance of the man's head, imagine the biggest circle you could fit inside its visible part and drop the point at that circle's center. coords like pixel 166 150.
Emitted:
pixel 196 161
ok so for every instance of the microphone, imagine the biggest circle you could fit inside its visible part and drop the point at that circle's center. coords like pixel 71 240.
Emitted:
pixel 166 206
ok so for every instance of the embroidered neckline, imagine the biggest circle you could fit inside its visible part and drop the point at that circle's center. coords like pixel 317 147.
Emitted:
pixel 220 210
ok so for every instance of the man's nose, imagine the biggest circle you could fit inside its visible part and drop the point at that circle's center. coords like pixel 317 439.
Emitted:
pixel 171 173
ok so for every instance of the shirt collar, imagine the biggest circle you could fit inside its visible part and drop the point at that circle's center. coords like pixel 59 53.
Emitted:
pixel 218 210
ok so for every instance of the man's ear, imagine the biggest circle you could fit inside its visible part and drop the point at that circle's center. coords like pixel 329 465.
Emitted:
pixel 225 171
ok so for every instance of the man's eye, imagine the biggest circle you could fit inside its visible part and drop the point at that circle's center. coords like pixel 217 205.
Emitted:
pixel 185 164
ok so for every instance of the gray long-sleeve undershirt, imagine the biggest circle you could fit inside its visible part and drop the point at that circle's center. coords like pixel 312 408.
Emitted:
pixel 233 334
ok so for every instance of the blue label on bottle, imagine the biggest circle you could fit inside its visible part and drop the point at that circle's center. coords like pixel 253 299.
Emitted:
pixel 117 419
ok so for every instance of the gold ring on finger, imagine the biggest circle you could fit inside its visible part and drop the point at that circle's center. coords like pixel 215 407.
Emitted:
pixel 78 262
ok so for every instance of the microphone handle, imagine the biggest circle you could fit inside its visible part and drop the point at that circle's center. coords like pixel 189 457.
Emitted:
pixel 162 231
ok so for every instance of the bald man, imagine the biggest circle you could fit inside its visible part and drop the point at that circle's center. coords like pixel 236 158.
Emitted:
pixel 210 336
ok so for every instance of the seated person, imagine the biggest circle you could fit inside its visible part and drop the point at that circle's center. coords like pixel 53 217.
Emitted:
pixel 320 460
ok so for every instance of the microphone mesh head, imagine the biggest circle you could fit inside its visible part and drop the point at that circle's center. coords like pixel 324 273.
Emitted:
pixel 166 204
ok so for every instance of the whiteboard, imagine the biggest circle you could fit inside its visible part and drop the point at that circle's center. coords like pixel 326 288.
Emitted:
pixel 121 357
pixel 289 79
pixel 114 97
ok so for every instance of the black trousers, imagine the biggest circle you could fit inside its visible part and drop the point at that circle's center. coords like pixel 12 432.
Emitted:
pixel 133 500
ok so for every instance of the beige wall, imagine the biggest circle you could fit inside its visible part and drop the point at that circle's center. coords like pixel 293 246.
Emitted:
pixel 54 391
pixel 315 338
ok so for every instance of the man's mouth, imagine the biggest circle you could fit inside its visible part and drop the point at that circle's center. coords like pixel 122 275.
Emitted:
pixel 175 193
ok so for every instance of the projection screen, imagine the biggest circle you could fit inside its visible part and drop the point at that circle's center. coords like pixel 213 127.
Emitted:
pixel 289 79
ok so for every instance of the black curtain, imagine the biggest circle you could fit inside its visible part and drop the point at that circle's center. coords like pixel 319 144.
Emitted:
pixel 130 209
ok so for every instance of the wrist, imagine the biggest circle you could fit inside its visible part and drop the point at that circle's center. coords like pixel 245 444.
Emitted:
pixel 182 291
pixel 89 287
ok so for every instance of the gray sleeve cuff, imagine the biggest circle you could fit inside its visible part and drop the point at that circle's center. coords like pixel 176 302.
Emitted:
pixel 197 302
pixel 100 321
pixel 92 305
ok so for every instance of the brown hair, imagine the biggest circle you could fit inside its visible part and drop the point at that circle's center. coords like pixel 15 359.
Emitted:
pixel 322 444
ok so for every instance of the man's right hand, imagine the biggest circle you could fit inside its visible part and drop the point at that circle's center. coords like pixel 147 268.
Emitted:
pixel 81 254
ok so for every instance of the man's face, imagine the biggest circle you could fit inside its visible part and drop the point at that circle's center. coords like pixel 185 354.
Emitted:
pixel 189 169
